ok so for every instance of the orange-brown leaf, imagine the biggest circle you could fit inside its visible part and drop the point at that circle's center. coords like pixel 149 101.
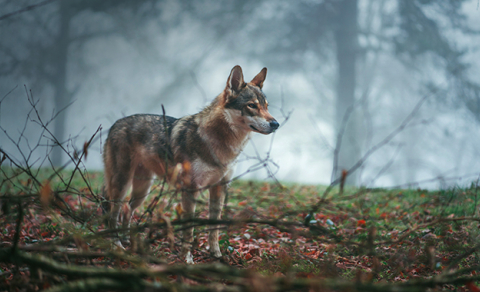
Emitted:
pixel 45 192
pixel 361 222
pixel 179 209
pixel 85 149
pixel 187 167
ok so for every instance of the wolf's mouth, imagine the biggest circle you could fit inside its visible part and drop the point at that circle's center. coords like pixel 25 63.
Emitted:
pixel 261 132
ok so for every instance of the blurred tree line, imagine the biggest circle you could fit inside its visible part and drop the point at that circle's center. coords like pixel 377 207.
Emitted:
pixel 44 45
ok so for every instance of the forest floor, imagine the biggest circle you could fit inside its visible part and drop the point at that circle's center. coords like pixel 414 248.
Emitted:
pixel 273 237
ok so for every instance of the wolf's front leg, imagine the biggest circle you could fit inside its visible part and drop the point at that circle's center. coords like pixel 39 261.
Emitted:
pixel 217 198
pixel 188 205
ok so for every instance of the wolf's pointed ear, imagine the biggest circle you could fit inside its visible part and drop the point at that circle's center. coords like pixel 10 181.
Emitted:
pixel 235 80
pixel 258 80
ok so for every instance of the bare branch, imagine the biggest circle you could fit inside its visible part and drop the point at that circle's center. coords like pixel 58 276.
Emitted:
pixel 28 8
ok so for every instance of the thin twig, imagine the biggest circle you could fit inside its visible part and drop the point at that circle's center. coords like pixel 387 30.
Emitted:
pixel 28 8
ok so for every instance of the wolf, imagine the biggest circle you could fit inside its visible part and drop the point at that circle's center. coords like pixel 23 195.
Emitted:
pixel 203 146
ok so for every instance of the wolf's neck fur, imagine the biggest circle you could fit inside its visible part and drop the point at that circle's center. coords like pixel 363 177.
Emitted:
pixel 221 131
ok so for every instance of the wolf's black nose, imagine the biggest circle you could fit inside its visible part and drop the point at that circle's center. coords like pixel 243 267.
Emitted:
pixel 274 124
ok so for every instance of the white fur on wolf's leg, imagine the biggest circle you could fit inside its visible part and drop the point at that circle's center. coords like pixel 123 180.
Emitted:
pixel 188 206
pixel 217 198
pixel 189 258
pixel 118 245
pixel 186 254
pixel 214 247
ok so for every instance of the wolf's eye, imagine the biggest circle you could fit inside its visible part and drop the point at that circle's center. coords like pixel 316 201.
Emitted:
pixel 252 105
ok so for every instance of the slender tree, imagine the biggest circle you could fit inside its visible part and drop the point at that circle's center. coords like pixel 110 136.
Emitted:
pixel 346 40
pixel 62 95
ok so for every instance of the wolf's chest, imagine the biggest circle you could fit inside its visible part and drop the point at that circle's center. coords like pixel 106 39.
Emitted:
pixel 205 175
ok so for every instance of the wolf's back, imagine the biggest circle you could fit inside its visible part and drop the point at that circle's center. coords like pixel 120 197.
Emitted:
pixel 149 130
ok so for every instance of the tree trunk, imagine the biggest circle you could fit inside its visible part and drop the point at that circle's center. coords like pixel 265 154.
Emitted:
pixel 347 46
pixel 62 96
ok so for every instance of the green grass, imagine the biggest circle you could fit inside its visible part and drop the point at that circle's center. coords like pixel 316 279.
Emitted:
pixel 15 180
pixel 377 234
pixel 390 213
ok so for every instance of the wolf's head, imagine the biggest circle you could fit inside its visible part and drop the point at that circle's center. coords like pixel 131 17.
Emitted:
pixel 246 105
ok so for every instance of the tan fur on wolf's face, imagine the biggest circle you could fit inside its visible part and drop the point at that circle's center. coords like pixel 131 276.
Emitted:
pixel 248 105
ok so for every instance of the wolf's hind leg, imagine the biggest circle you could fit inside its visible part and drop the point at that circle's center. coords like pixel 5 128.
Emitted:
pixel 188 206
pixel 117 191
pixel 141 183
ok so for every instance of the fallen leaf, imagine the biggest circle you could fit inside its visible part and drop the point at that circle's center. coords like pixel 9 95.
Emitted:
pixel 85 149
pixel 361 222
pixel 45 192
pixel 179 209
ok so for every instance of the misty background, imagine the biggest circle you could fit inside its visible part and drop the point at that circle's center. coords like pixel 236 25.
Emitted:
pixel 358 70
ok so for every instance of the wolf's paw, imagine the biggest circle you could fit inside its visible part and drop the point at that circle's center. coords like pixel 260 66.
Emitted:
pixel 117 245
pixel 189 258
pixel 216 253
pixel 186 254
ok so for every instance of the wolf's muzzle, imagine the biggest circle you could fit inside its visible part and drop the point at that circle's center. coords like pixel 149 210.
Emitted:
pixel 274 125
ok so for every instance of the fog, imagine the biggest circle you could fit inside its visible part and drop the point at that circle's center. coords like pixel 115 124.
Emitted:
pixel 415 106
